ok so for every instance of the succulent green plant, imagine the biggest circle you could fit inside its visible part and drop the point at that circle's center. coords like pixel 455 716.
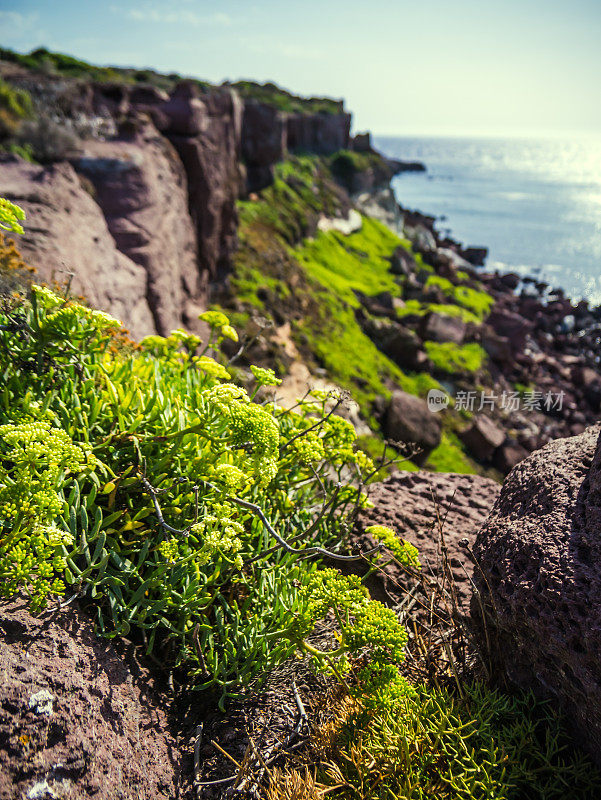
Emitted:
pixel 179 507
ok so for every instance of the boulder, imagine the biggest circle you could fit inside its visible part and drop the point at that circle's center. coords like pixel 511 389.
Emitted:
pixel 475 255
pixel 510 279
pixel 510 325
pixel 381 304
pixel 422 238
pixel 408 419
pixel 400 344
pixel 449 258
pixel 74 722
pixel 482 437
pixel 508 455
pixel 540 580
pixel 497 347
pixel 411 503
pixel 440 328
pixel 402 262
pixel 381 204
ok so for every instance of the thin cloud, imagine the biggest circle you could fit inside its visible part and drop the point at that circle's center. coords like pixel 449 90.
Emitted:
pixel 180 16
pixel 293 51
pixel 17 20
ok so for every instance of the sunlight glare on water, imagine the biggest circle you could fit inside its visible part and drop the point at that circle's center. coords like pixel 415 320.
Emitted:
pixel 535 203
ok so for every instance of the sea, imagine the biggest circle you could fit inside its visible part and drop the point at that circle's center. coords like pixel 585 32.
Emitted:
pixel 535 203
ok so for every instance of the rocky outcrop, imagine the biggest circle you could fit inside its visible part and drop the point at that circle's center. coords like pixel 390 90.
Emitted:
pixel 74 722
pixel 264 142
pixel 206 133
pixel 269 134
pixel 140 186
pixel 67 235
pixel 540 580
pixel 428 509
pixel 318 133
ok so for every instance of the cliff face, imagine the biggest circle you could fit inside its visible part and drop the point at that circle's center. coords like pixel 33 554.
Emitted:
pixel 141 188
pixel 67 232
pixel 268 135
pixel 207 133
pixel 143 211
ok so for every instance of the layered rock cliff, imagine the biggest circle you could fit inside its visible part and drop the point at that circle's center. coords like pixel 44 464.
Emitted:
pixel 135 196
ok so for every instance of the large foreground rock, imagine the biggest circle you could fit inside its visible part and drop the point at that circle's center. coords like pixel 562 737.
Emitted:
pixel 540 556
pixel 73 721
pixel 412 504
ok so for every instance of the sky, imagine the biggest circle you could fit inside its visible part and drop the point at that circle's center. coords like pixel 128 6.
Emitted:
pixel 404 67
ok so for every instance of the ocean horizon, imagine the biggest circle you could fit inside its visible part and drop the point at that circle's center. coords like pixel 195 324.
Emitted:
pixel 534 202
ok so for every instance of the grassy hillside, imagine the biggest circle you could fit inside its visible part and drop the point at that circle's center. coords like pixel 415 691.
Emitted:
pixel 288 271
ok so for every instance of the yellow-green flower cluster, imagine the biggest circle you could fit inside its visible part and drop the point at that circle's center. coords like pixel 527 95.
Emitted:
pixel 69 314
pixel 382 686
pixel 231 476
pixel 34 559
pixel 251 426
pixel 45 297
pixel 364 463
pixel 254 425
pixel 364 623
pixel 35 458
pixel 378 628
pixel 265 377
pixel 218 535
pixel 10 216
pixel 219 323
pixel 308 448
pixel 169 549
pixel 226 395
pixel 324 590
pixel 41 448
pixel 214 319
pixel 211 367
pixel 155 344
pixel 182 338
pixel 403 551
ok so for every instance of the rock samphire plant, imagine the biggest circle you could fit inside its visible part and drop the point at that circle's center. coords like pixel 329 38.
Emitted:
pixel 176 506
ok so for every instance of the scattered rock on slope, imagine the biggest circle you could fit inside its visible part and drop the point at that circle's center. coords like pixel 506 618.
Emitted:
pixel 408 419
pixel 482 437
pixel 540 554
pixel 73 723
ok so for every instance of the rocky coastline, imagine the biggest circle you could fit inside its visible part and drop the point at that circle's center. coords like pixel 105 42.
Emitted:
pixel 167 199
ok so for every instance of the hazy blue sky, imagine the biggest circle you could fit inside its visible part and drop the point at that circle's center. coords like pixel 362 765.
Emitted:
pixel 404 67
